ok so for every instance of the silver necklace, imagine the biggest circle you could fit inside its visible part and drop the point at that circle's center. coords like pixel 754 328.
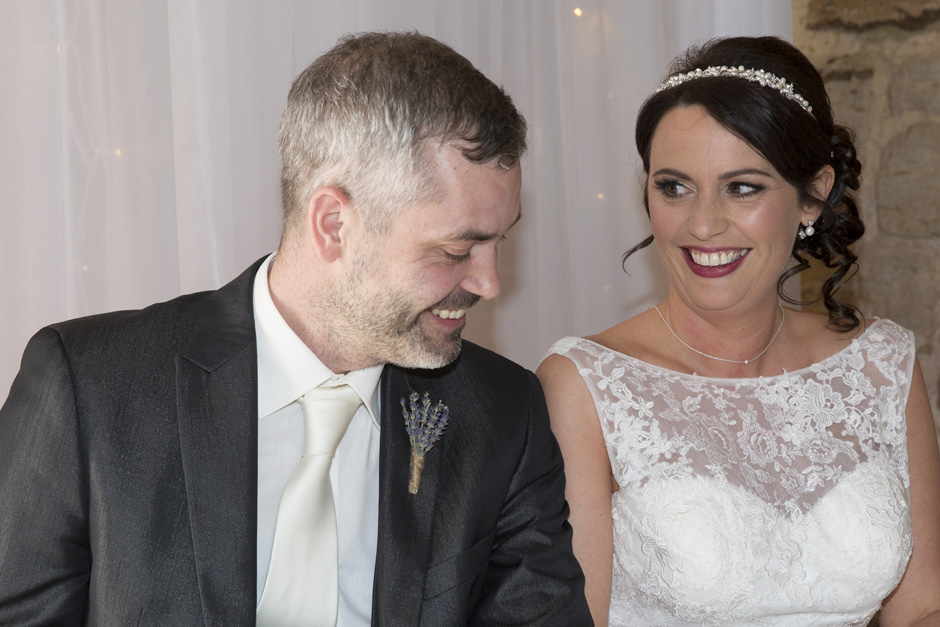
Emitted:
pixel 783 316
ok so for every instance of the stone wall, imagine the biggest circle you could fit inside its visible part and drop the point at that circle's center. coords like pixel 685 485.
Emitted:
pixel 881 63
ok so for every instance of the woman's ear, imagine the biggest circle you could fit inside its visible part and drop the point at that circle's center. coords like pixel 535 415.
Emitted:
pixel 326 212
pixel 820 189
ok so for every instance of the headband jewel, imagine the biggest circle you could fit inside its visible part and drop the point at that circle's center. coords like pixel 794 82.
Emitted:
pixel 755 76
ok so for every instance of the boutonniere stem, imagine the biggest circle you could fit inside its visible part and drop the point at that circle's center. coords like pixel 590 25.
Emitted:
pixel 425 424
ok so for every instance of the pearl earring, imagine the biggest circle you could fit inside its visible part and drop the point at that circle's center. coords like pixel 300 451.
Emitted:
pixel 808 230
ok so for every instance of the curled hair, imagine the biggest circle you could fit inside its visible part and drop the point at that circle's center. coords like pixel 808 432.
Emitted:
pixel 797 143
pixel 361 116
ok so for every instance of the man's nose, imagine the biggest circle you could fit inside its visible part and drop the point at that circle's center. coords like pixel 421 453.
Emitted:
pixel 482 276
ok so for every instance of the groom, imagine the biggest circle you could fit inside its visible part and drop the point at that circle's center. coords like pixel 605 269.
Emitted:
pixel 143 454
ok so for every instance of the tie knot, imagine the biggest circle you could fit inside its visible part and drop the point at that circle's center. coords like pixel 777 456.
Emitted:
pixel 327 413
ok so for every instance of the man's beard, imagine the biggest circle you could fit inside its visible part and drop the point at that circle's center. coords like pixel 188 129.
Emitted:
pixel 385 325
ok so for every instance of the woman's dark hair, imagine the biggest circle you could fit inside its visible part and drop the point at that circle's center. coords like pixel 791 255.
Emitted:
pixel 796 142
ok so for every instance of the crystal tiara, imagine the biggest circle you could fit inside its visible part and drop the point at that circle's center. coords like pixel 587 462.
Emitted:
pixel 755 76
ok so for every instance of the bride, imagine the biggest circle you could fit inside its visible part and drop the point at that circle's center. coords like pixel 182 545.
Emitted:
pixel 731 460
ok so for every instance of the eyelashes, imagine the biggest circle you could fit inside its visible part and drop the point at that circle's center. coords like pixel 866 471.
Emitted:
pixel 745 190
pixel 669 187
pixel 674 188
pixel 452 258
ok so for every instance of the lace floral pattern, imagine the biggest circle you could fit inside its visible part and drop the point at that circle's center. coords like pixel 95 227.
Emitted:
pixel 768 501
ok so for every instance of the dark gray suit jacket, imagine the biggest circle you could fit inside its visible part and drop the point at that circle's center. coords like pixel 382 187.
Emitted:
pixel 128 482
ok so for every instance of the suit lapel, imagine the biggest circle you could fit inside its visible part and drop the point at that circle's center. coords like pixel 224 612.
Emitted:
pixel 405 520
pixel 217 408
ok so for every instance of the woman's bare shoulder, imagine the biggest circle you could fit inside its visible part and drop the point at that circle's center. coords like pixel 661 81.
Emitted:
pixel 813 336
pixel 639 337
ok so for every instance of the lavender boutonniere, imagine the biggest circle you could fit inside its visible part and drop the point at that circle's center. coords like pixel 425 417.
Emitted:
pixel 424 425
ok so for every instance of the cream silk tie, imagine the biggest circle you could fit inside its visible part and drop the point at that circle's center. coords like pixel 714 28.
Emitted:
pixel 301 587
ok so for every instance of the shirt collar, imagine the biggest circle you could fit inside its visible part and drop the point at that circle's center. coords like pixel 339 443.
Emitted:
pixel 287 368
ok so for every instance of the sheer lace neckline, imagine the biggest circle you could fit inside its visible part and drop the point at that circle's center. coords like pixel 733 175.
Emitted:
pixel 738 380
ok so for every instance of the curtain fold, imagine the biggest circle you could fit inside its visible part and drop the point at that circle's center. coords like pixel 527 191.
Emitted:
pixel 138 155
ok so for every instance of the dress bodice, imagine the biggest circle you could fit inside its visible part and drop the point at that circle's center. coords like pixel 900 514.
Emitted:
pixel 765 501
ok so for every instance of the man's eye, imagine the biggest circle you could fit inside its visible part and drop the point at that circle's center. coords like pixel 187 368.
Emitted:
pixel 457 257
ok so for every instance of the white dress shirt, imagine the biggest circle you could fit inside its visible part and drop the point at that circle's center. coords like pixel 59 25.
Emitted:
pixel 287 369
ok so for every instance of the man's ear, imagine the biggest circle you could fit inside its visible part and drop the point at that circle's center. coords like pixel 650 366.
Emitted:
pixel 820 189
pixel 326 214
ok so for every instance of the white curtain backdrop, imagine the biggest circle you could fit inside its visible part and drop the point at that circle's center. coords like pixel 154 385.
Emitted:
pixel 138 158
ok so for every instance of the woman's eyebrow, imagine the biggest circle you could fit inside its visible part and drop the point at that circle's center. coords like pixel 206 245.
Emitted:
pixel 742 171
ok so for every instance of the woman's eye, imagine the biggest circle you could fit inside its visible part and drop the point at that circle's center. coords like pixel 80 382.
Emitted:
pixel 744 189
pixel 670 187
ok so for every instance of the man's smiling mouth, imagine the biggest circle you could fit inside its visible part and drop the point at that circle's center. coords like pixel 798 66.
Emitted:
pixel 449 314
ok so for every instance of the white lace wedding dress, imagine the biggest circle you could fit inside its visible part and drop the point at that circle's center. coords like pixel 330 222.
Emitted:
pixel 770 501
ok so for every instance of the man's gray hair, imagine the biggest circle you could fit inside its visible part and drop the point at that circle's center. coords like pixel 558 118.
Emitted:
pixel 361 116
